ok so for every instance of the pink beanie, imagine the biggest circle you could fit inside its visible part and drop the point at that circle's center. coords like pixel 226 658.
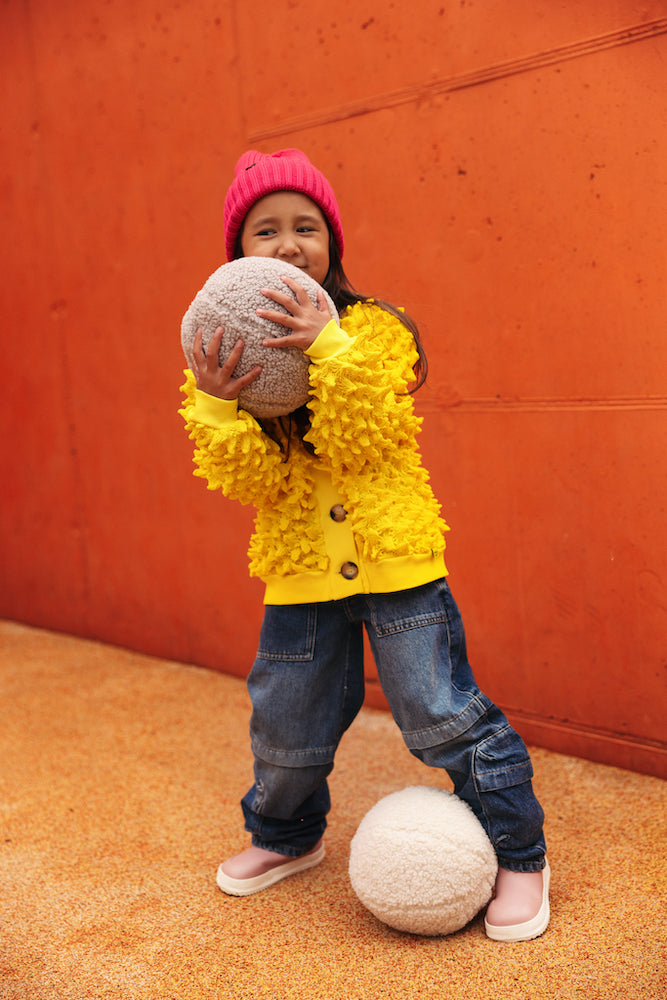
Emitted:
pixel 258 174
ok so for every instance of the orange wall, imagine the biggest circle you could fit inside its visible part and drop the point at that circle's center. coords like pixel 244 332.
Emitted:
pixel 500 168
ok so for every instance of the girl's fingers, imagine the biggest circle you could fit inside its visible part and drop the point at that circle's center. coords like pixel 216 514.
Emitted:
pixel 233 357
pixel 282 298
pixel 299 298
pixel 244 380
pixel 209 358
pixel 299 290
pixel 291 340
pixel 213 348
pixel 284 319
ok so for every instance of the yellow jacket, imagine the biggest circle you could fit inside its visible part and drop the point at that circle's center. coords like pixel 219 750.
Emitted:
pixel 359 516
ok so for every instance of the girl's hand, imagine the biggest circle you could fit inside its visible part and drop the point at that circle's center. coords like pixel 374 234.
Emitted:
pixel 304 320
pixel 214 378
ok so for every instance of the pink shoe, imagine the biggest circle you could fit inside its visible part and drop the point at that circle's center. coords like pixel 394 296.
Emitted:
pixel 257 869
pixel 519 910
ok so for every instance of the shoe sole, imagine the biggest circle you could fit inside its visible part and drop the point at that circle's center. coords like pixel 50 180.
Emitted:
pixel 247 886
pixel 531 928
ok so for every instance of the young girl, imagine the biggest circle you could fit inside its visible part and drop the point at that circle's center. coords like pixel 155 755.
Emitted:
pixel 348 536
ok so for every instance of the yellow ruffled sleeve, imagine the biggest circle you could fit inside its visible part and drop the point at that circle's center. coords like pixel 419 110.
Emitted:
pixel 364 426
pixel 361 414
pixel 231 454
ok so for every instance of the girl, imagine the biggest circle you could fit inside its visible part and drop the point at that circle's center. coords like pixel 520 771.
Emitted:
pixel 348 535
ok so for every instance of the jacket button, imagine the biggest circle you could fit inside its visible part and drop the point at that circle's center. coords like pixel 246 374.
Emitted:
pixel 349 570
pixel 338 512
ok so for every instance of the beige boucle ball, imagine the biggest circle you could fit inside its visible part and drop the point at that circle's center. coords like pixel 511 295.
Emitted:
pixel 230 298
pixel 421 862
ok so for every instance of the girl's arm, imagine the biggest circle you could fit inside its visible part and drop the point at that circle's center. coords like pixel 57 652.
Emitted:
pixel 232 453
pixel 361 412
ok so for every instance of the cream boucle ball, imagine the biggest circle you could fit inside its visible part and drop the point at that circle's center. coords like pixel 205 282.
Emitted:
pixel 229 299
pixel 421 862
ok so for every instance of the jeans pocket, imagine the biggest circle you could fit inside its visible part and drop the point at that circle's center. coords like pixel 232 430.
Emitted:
pixel 501 761
pixel 405 610
pixel 288 633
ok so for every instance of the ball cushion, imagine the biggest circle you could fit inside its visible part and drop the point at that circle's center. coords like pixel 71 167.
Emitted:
pixel 421 862
pixel 230 298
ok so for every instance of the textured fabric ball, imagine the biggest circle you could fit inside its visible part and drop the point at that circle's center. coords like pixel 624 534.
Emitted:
pixel 230 298
pixel 421 862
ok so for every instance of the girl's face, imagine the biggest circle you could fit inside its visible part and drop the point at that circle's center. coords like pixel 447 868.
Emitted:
pixel 289 226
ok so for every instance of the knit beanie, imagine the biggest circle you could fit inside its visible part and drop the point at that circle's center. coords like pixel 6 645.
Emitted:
pixel 258 174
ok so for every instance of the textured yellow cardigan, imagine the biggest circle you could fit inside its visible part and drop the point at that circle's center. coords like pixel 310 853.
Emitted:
pixel 363 430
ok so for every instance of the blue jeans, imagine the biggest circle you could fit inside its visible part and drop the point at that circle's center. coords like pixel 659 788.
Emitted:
pixel 307 686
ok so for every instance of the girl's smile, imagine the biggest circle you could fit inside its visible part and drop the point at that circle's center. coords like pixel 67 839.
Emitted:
pixel 289 226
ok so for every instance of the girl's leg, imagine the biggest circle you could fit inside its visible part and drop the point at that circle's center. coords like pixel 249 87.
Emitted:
pixel 269 859
pixel 306 687
pixel 419 645
pixel 286 808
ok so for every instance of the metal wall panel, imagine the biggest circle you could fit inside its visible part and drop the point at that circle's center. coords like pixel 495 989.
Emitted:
pixel 500 168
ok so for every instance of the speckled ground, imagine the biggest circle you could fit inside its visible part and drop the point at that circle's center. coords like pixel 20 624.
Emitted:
pixel 120 777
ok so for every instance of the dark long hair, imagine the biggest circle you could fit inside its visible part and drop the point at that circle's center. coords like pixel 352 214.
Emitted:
pixel 343 294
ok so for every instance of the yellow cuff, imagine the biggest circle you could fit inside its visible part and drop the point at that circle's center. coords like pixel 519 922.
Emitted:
pixel 330 342
pixel 212 411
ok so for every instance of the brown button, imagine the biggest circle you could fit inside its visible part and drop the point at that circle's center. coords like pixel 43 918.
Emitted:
pixel 349 570
pixel 338 512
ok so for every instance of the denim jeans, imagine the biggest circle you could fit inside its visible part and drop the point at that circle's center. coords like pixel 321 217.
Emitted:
pixel 307 686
